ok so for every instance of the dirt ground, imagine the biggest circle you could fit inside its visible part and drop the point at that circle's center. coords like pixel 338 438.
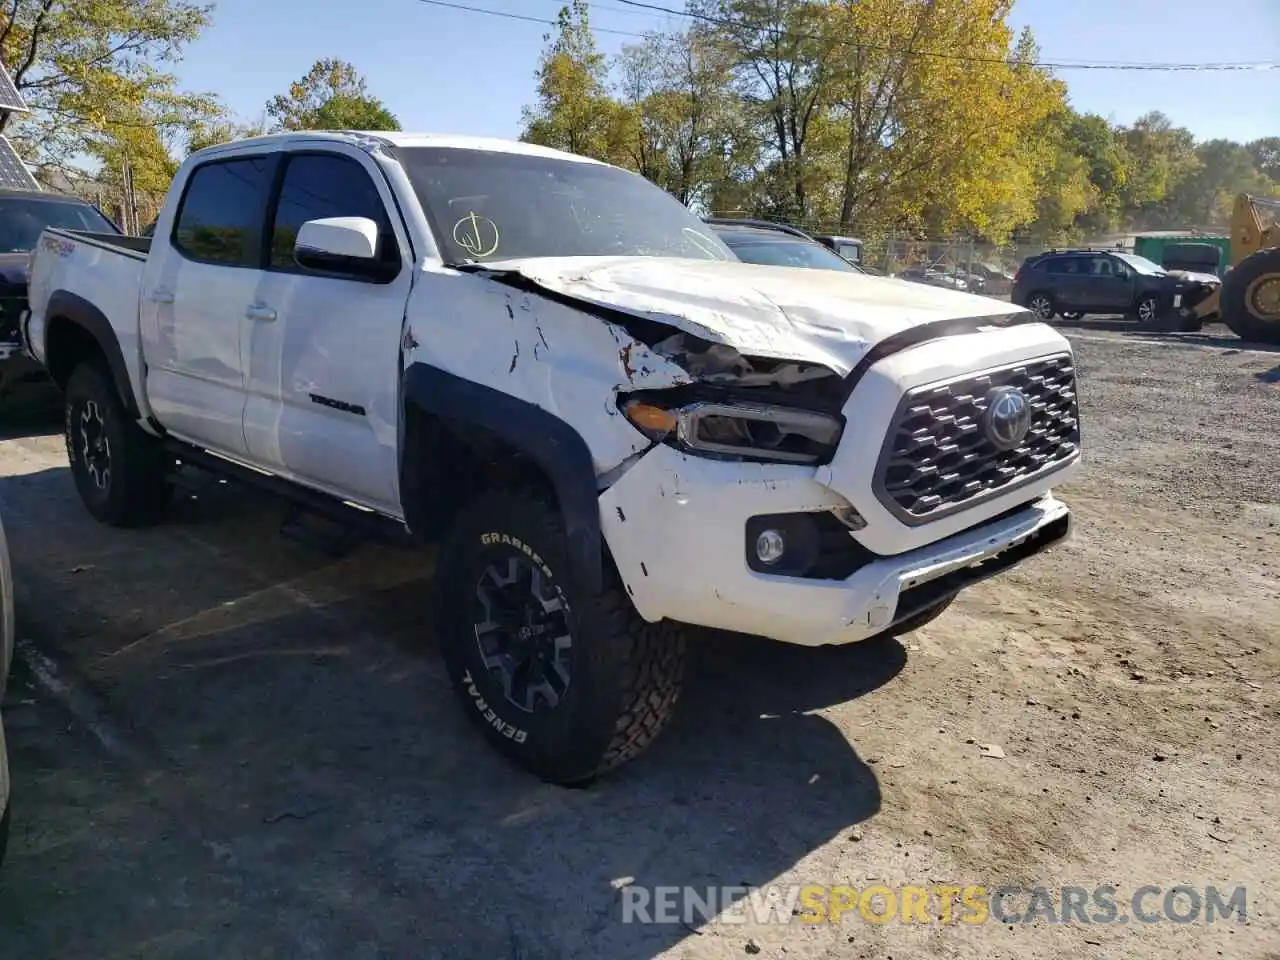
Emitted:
pixel 227 745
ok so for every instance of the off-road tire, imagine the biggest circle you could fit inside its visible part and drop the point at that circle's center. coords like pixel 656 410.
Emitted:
pixel 923 618
pixel 625 673
pixel 136 487
pixel 1239 298
pixel 1044 314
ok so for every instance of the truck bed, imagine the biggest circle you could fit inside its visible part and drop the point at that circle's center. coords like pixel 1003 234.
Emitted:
pixel 130 246
pixel 91 278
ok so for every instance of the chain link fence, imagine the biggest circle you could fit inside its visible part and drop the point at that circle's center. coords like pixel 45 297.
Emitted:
pixel 131 210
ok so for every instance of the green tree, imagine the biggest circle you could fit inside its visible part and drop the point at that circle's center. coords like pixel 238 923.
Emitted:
pixel 780 51
pixel 332 96
pixel 1204 197
pixel 93 73
pixel 940 143
pixel 574 111
pixel 685 129
pixel 1266 156
pixel 224 130
pixel 1161 156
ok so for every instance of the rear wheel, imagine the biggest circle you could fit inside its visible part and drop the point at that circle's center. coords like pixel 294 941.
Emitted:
pixel 567 682
pixel 1041 304
pixel 119 471
pixel 1250 297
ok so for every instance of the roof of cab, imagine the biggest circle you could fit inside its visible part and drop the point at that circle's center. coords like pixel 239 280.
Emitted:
pixel 397 138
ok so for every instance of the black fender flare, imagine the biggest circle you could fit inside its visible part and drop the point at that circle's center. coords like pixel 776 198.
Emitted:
pixel 556 447
pixel 68 306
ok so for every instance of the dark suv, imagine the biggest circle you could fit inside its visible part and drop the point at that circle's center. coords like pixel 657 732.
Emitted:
pixel 1072 283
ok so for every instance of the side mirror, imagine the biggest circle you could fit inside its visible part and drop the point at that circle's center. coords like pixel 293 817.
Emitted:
pixel 338 245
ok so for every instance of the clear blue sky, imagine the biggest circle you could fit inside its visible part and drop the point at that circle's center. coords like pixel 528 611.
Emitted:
pixel 450 71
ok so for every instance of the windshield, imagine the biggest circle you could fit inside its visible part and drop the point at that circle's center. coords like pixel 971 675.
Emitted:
pixel 1142 264
pixel 485 205
pixel 783 252
pixel 21 220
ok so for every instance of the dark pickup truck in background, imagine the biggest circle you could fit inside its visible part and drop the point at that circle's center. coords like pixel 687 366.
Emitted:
pixel 23 215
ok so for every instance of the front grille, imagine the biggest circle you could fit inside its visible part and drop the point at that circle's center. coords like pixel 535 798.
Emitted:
pixel 938 458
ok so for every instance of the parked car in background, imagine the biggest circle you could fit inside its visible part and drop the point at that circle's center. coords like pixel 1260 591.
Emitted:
pixel 998 280
pixel 6 658
pixel 23 215
pixel 1072 283
pixel 934 277
pixel 848 247
pixel 777 245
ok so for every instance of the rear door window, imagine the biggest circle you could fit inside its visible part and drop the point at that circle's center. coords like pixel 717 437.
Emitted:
pixel 1067 265
pixel 220 218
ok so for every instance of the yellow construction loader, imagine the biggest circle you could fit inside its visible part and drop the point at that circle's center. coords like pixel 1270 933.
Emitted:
pixel 1249 299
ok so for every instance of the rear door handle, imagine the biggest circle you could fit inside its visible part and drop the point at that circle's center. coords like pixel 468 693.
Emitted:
pixel 161 295
pixel 257 311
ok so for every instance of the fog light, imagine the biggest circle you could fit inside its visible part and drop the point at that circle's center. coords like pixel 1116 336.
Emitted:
pixel 770 546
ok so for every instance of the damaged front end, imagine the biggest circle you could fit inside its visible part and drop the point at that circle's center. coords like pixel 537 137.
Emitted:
pixel 738 407
pixel 1192 290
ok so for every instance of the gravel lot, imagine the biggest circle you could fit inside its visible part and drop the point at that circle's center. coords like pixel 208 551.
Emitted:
pixel 262 757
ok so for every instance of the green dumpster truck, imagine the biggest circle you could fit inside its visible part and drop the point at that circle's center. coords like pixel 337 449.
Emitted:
pixel 1185 250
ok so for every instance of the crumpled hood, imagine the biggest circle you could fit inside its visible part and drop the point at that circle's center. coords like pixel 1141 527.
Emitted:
pixel 825 317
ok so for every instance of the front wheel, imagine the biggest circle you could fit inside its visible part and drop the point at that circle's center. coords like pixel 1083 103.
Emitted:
pixel 567 682
pixel 1147 310
pixel 1250 297
pixel 119 470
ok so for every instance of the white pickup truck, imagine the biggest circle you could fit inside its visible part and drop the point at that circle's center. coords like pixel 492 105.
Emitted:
pixel 615 427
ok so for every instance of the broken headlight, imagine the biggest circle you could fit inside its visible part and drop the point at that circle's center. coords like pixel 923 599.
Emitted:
pixel 753 431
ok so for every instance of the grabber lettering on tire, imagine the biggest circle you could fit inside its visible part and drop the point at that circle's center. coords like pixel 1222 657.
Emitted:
pixel 567 682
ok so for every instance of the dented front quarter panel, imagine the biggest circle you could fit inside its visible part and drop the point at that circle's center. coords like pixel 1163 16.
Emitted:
pixel 566 361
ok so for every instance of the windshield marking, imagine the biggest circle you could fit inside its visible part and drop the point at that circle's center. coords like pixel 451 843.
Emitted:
pixel 477 235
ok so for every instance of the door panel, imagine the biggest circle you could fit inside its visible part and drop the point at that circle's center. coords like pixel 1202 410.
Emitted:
pixel 197 283
pixel 1063 281
pixel 1113 285
pixel 323 375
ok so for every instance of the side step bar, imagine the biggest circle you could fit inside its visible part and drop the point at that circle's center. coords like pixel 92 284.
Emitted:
pixel 303 500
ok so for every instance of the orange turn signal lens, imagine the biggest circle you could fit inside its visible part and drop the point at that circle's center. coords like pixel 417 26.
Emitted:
pixel 649 419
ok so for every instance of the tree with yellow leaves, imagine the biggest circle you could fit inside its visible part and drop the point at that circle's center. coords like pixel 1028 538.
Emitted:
pixel 93 73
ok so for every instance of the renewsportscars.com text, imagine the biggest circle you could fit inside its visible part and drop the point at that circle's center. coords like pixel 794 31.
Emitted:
pixel 936 903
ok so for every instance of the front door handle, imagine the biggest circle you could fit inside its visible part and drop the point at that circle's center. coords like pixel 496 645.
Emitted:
pixel 257 311
pixel 160 295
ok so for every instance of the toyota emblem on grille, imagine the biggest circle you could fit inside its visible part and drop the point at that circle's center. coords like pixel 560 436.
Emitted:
pixel 1008 417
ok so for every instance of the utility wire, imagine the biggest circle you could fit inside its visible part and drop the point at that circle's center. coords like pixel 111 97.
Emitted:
pixel 1063 65
pixel 506 14
pixel 968 58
